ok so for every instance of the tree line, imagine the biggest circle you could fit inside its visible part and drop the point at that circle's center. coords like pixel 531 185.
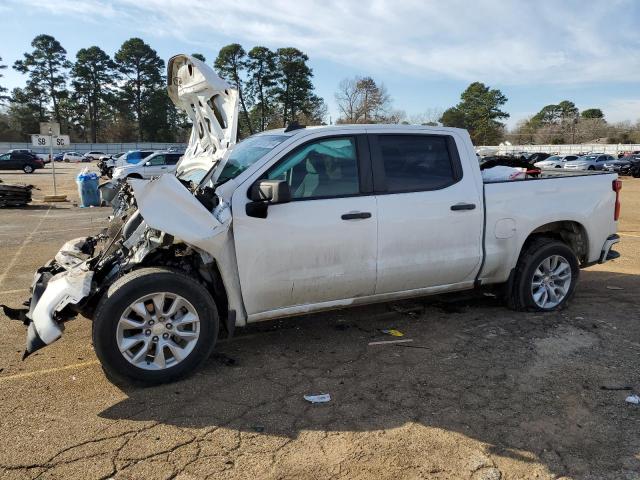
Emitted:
pixel 363 100
pixel 98 98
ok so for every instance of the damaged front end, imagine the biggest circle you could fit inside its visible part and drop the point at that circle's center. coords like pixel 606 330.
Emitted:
pixel 72 281
pixel 164 222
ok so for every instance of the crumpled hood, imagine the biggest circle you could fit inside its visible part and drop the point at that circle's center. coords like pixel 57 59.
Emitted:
pixel 212 106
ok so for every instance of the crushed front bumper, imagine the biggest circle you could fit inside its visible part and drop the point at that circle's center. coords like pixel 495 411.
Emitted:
pixel 65 280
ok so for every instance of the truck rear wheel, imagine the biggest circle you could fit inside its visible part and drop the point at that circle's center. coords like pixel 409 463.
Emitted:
pixel 154 325
pixel 545 276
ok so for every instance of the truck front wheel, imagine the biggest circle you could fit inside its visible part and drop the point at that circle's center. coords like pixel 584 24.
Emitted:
pixel 154 325
pixel 545 277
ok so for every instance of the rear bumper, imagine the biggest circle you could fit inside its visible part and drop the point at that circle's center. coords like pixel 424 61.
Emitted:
pixel 606 253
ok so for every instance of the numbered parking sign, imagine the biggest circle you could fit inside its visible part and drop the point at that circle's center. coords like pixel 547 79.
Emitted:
pixel 59 141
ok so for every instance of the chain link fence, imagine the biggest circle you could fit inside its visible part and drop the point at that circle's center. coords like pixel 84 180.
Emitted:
pixel 108 148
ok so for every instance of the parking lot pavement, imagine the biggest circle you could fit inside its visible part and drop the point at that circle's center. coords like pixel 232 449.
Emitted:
pixel 480 393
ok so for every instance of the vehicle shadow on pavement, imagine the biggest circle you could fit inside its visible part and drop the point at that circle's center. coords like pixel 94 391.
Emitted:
pixel 528 385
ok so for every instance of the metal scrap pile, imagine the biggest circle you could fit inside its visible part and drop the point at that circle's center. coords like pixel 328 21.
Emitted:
pixel 12 195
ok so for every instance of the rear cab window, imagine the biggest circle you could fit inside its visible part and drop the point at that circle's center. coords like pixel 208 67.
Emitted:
pixel 414 162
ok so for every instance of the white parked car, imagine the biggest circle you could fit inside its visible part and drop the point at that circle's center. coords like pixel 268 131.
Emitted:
pixel 91 156
pixel 299 220
pixel 555 161
pixel 152 166
pixel 72 157
pixel 595 161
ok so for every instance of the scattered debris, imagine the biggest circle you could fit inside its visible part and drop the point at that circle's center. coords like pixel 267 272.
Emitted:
pixel 613 287
pixel 258 428
pixel 412 346
pixel 635 399
pixel 393 332
pixel 391 341
pixel 322 398
pixel 13 195
pixel 615 388
pixel 579 318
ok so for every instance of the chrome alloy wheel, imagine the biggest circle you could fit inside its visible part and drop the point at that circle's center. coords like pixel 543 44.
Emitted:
pixel 551 281
pixel 158 331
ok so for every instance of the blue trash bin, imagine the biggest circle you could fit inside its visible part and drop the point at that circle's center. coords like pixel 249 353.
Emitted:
pixel 88 189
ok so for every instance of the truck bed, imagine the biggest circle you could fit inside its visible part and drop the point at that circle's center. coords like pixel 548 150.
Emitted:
pixel 514 209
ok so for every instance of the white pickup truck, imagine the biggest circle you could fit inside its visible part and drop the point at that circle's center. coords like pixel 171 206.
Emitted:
pixel 306 219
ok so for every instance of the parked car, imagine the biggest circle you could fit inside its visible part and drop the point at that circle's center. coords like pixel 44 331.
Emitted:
pixel 152 166
pixel 621 166
pixel 555 161
pixel 589 162
pixel 45 157
pixel 297 220
pixel 106 162
pixel 131 157
pixel 91 156
pixel 72 157
pixel 537 157
pixel 17 160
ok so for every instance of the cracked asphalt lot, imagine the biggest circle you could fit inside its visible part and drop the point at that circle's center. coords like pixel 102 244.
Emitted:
pixel 480 393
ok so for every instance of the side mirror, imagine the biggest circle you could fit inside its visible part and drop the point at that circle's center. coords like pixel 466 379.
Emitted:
pixel 266 192
pixel 147 164
pixel 270 191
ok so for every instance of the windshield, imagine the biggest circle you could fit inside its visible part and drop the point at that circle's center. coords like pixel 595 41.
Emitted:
pixel 247 152
pixel 554 158
pixel 589 157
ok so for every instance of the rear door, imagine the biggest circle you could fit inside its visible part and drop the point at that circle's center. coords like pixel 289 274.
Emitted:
pixel 320 248
pixel 430 214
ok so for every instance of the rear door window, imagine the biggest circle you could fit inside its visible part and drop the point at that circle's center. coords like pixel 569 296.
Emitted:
pixel 412 163
pixel 172 158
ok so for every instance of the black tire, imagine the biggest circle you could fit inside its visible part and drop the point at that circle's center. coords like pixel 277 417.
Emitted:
pixel 520 296
pixel 591 168
pixel 110 172
pixel 28 169
pixel 128 289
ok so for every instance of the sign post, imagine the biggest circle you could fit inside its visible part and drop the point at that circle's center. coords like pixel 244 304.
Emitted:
pixel 50 140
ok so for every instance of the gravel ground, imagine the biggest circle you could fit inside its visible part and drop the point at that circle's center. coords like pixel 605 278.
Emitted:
pixel 480 393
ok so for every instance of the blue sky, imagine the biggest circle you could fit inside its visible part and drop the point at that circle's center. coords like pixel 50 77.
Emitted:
pixel 425 52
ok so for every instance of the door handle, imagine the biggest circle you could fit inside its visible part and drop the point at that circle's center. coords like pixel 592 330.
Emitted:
pixel 355 215
pixel 463 206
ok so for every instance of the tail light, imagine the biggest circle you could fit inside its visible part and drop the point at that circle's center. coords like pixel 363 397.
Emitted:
pixel 616 185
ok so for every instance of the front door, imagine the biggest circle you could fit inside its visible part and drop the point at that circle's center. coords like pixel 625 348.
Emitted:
pixel 6 163
pixel 155 166
pixel 318 248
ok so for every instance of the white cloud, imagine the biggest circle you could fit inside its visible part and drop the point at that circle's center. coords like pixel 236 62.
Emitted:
pixel 514 42
pixel 622 110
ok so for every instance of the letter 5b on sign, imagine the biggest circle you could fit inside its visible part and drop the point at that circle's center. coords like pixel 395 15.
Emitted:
pixel 43 141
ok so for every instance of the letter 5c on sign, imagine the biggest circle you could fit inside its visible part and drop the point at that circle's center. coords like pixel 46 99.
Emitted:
pixel 58 141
